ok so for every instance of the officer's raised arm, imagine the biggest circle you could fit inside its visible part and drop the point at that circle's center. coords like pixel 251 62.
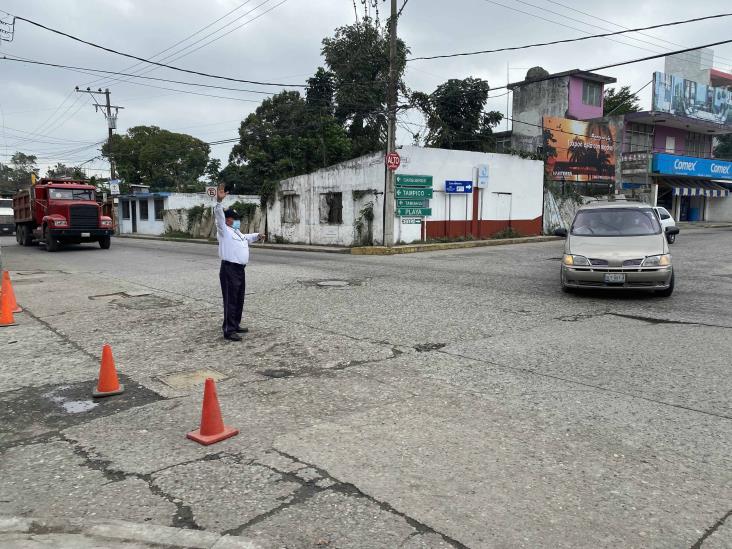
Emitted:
pixel 219 209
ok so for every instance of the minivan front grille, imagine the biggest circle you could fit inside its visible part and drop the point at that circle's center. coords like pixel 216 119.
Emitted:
pixel 84 217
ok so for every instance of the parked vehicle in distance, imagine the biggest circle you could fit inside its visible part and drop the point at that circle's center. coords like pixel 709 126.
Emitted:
pixel 7 223
pixel 667 220
pixel 617 245
pixel 60 211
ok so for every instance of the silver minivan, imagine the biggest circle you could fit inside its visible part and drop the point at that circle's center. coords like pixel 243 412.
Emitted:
pixel 617 245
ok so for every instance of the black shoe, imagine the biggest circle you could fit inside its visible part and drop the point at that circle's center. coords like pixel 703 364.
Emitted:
pixel 242 330
pixel 233 337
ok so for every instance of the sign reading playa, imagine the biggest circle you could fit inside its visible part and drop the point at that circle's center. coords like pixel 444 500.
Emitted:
pixel 579 151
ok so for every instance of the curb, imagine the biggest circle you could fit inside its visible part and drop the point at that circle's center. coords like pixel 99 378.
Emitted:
pixel 415 248
pixel 15 529
pixel 285 247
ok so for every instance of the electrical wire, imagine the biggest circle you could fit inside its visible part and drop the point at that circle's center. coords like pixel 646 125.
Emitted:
pixel 568 40
pixel 137 58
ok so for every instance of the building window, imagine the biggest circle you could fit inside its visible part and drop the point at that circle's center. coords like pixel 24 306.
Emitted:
pixel 290 208
pixel 638 138
pixel 125 209
pixel 143 210
pixel 591 93
pixel 698 144
pixel 159 206
pixel 331 208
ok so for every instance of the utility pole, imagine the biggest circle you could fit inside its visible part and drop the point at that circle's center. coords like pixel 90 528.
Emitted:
pixel 111 119
pixel 391 106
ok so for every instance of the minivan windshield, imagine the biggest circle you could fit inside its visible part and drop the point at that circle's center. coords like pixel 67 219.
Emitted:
pixel 70 194
pixel 615 222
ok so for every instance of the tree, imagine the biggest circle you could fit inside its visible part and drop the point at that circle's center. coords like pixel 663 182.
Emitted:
pixel 159 158
pixel 17 173
pixel 723 149
pixel 620 102
pixel 213 171
pixel 62 170
pixel 285 137
pixel 357 56
pixel 455 116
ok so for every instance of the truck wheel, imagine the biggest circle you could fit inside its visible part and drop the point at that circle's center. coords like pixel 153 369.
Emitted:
pixel 51 242
pixel 105 242
pixel 27 235
pixel 19 234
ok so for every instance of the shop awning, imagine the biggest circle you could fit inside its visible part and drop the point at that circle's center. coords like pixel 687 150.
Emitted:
pixel 694 187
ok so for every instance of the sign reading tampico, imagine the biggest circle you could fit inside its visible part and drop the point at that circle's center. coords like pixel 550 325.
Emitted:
pixel 411 192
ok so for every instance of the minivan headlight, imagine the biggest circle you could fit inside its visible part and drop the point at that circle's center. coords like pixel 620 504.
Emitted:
pixel 579 260
pixel 663 260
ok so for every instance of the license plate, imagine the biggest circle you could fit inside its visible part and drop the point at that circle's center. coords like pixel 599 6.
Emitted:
pixel 85 235
pixel 614 278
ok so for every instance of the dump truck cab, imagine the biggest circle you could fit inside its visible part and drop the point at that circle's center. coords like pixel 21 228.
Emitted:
pixel 59 211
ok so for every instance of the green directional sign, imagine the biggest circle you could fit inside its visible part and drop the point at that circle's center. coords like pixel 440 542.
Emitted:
pixel 403 180
pixel 411 212
pixel 411 192
pixel 412 203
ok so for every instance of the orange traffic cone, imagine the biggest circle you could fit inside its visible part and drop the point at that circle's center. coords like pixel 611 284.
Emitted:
pixel 212 424
pixel 6 310
pixel 108 383
pixel 6 286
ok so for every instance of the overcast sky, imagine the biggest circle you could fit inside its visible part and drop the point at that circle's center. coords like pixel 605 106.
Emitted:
pixel 283 45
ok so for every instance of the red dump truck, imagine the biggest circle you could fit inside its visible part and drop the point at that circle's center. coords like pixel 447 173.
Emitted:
pixel 60 211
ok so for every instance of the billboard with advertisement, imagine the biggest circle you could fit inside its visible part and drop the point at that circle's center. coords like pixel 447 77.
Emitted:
pixel 681 97
pixel 579 150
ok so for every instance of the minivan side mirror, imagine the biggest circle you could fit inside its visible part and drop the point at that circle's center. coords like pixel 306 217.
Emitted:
pixel 672 230
pixel 561 231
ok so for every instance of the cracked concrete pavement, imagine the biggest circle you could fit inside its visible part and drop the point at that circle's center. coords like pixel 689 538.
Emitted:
pixel 446 399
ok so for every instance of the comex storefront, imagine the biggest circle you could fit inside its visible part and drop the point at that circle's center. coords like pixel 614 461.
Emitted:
pixel 693 189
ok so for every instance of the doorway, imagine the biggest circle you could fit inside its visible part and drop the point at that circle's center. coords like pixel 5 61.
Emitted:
pixel 134 215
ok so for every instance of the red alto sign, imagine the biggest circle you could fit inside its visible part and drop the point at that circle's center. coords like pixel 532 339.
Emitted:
pixel 393 160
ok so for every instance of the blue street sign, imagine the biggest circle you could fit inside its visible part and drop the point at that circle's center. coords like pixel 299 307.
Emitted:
pixel 458 186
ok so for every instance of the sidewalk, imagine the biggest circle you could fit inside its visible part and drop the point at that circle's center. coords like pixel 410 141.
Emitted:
pixel 703 225
pixel 368 250
pixel 117 534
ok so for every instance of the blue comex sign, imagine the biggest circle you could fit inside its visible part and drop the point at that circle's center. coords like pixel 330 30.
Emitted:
pixel 688 165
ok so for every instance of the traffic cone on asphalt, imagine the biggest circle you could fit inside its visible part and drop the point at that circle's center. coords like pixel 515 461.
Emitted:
pixel 108 383
pixel 7 286
pixel 212 428
pixel 6 310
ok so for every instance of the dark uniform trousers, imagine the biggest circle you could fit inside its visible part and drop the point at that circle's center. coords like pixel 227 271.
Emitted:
pixel 233 284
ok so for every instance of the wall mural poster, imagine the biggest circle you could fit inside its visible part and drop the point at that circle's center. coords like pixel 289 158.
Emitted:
pixel 676 95
pixel 579 151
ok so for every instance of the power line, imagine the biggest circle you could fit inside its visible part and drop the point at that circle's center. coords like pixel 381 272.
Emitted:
pixel 657 38
pixel 123 54
pixel 183 40
pixel 72 67
pixel 567 40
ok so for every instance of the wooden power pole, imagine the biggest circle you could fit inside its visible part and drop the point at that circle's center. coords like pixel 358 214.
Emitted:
pixel 111 119
pixel 391 106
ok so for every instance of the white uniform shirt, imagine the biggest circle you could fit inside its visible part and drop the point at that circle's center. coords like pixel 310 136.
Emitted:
pixel 233 245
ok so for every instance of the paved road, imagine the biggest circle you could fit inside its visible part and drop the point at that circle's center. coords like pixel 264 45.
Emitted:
pixel 446 399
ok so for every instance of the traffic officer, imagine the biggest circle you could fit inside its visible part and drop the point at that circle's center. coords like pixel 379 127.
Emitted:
pixel 234 255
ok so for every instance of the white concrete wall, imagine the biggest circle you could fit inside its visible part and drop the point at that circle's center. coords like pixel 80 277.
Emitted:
pixel 719 209
pixel 507 174
pixel 173 201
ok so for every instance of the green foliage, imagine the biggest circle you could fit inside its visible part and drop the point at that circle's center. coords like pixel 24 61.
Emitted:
pixel 237 179
pixel 159 158
pixel 195 215
pixel 17 173
pixel 177 234
pixel 620 102
pixel 508 232
pixel 62 170
pixel 358 58
pixel 364 225
pixel 285 137
pixel 723 149
pixel 358 194
pixel 213 170
pixel 245 209
pixel 279 239
pixel 455 116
